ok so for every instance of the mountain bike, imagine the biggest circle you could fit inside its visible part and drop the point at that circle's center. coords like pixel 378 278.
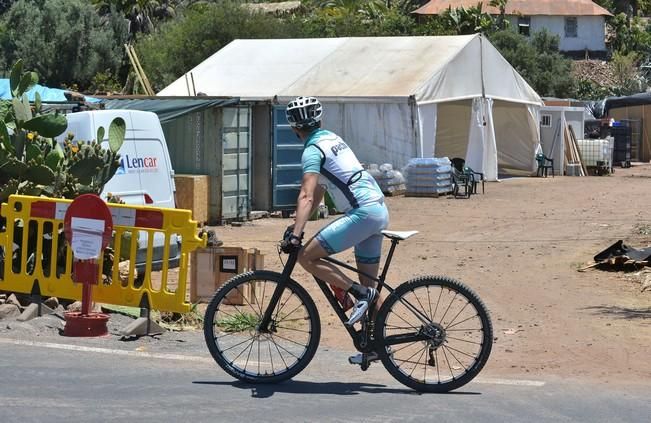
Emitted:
pixel 432 333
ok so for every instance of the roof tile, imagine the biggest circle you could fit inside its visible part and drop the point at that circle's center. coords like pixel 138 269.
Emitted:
pixel 521 7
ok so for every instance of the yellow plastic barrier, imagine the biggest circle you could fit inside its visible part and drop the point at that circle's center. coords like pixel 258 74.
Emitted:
pixel 33 258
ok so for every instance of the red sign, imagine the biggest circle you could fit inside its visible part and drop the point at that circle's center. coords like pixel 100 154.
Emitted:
pixel 89 214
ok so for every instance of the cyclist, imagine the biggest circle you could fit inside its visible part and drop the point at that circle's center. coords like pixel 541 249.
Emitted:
pixel 329 164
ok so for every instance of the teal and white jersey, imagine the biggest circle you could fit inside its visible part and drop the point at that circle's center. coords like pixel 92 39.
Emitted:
pixel 340 172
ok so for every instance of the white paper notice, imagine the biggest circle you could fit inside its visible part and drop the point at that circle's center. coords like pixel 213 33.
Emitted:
pixel 86 237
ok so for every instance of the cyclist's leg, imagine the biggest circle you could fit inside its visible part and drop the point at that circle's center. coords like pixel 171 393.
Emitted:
pixel 335 237
pixel 310 258
pixel 367 256
pixel 368 252
pixel 340 235
pixel 369 266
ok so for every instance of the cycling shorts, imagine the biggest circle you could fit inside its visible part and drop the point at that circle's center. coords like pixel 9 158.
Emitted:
pixel 360 228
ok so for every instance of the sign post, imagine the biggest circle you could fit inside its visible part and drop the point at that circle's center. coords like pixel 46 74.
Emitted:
pixel 88 226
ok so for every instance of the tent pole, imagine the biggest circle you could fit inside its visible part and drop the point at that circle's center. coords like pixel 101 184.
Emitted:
pixel 415 126
pixel 481 65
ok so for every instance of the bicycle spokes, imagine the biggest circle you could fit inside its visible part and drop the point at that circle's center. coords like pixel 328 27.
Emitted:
pixel 261 351
pixel 439 351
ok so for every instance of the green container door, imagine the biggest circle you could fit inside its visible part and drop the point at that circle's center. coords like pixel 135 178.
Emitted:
pixel 215 142
pixel 236 163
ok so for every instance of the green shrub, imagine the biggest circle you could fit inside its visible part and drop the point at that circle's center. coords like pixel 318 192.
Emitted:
pixel 63 40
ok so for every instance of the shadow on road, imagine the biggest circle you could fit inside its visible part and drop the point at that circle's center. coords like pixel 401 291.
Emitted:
pixel 327 388
pixel 622 312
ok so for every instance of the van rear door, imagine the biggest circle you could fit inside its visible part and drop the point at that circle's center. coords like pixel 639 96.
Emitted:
pixel 154 168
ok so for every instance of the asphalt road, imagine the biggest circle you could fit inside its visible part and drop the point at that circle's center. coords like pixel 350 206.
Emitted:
pixel 48 382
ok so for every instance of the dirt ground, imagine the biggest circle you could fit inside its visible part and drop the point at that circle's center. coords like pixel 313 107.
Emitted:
pixel 519 246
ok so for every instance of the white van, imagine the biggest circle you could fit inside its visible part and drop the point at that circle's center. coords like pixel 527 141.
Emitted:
pixel 145 176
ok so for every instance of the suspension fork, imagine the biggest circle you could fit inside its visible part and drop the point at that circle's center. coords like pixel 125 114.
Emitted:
pixel 278 292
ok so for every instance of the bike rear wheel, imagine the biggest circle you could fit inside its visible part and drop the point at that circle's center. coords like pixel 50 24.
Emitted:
pixel 434 334
pixel 233 336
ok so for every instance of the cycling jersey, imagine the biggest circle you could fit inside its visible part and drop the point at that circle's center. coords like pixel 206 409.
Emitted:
pixel 354 191
pixel 340 172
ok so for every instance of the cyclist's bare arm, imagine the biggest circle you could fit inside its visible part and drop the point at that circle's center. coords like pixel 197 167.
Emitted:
pixel 308 201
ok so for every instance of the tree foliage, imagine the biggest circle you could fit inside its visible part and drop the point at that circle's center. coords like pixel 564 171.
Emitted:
pixel 63 40
pixel 82 41
pixel 470 20
pixel 628 7
pixel 5 5
pixel 142 15
pixel 198 33
pixel 538 60
pixel 629 36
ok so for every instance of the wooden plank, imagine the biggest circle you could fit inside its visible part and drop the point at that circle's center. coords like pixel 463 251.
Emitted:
pixel 574 148
pixel 578 150
pixel 135 68
pixel 148 87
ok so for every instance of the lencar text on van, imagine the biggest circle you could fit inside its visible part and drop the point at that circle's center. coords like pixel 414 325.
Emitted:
pixel 138 164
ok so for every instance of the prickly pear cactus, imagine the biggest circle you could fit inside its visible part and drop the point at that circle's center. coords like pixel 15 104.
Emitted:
pixel 33 162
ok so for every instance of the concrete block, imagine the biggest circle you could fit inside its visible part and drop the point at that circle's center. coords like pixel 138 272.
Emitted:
pixel 34 310
pixel 13 300
pixel 142 326
pixel 9 311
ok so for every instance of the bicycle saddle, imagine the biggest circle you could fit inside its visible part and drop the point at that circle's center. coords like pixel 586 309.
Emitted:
pixel 399 235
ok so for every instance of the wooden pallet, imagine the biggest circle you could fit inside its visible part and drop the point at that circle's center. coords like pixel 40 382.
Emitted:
pixel 426 194
pixel 395 193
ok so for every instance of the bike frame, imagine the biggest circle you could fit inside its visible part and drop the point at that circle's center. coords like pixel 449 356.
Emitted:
pixel 360 337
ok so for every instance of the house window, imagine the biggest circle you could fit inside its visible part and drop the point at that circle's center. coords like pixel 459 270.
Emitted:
pixel 571 27
pixel 546 121
pixel 524 25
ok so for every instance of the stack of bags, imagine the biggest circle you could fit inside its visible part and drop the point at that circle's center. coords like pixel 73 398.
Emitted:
pixel 391 181
pixel 429 176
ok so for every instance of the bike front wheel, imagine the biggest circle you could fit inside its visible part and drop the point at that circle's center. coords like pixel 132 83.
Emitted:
pixel 434 334
pixel 236 342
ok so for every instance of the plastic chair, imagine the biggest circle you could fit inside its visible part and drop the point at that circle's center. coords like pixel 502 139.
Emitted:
pixel 543 167
pixel 475 177
pixel 472 177
pixel 461 180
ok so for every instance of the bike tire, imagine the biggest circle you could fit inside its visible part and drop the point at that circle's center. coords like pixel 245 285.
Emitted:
pixel 482 338
pixel 223 300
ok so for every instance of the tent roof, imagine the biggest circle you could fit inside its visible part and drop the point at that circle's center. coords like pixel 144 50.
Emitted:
pixel 521 7
pixel 429 69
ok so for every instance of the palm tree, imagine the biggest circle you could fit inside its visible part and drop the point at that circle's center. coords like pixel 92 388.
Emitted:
pixel 501 4
pixel 141 14
pixel 5 5
pixel 469 20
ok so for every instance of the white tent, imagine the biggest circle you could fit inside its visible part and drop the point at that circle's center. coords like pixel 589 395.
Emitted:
pixel 390 98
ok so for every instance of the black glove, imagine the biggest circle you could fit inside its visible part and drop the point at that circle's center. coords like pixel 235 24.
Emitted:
pixel 290 243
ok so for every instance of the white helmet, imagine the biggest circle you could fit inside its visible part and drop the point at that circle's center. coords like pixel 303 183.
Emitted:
pixel 304 112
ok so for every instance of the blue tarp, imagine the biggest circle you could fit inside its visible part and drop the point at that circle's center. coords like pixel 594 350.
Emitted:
pixel 47 94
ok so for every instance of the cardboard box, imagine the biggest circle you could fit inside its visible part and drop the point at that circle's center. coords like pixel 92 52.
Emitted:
pixel 192 194
pixel 212 267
